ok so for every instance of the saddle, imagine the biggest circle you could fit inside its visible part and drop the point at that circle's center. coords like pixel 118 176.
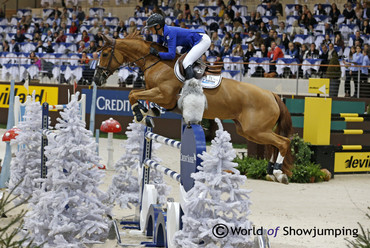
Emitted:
pixel 200 68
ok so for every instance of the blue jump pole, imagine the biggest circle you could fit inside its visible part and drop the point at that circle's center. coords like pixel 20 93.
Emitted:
pixel 93 106
pixel 5 171
pixel 44 140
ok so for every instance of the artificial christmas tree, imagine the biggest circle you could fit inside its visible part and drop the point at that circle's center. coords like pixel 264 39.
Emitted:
pixel 215 199
pixel 124 189
pixel 26 165
pixel 68 210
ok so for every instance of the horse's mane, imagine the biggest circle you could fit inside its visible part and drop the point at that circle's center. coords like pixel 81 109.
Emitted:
pixel 136 35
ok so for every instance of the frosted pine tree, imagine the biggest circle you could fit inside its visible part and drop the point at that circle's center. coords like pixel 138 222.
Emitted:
pixel 68 210
pixel 26 164
pixel 125 189
pixel 216 198
pixel 156 177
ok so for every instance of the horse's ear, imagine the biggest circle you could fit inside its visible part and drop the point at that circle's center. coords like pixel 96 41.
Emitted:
pixel 137 32
pixel 108 40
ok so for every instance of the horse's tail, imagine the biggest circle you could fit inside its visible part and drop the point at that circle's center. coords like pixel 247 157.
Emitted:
pixel 285 128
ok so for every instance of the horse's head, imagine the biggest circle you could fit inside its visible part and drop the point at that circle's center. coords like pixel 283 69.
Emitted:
pixel 132 49
pixel 110 60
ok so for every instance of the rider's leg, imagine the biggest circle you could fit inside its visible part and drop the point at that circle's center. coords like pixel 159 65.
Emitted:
pixel 195 54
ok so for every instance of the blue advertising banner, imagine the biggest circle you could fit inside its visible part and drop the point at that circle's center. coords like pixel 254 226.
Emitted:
pixel 115 102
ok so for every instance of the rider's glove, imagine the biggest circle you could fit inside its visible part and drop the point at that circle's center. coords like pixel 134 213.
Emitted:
pixel 154 51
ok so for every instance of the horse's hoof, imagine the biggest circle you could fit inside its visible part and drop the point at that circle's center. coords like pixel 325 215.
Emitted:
pixel 271 178
pixel 96 82
pixel 149 122
pixel 138 117
pixel 281 177
pixel 284 179
pixel 155 112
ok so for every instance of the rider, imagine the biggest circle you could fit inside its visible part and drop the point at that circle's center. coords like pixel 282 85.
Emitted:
pixel 195 41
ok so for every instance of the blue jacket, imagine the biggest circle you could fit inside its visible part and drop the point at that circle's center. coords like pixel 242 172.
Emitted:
pixel 365 61
pixel 294 54
pixel 175 36
pixel 357 58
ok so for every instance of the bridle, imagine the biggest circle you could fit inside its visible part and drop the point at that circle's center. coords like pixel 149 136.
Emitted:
pixel 107 71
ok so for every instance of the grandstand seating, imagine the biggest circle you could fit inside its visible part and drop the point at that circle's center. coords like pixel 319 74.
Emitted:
pixel 67 59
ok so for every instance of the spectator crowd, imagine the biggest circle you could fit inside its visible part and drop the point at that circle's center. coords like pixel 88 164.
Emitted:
pixel 328 35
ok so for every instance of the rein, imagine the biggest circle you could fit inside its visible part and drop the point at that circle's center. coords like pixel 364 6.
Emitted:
pixel 143 58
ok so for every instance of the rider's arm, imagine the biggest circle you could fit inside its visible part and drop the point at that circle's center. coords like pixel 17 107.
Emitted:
pixel 171 42
pixel 160 39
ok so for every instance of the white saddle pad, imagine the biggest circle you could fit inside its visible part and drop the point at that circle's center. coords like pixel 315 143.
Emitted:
pixel 208 81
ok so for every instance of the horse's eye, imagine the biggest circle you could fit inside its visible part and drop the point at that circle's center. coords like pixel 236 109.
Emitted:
pixel 105 54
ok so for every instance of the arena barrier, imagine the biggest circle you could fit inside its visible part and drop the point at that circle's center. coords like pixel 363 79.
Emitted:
pixel 5 168
pixel 342 158
pixel 156 220
pixel 20 108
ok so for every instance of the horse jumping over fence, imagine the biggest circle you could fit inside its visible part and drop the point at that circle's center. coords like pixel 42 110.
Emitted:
pixel 259 115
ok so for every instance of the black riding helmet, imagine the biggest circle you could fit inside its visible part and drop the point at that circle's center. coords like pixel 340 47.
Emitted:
pixel 155 19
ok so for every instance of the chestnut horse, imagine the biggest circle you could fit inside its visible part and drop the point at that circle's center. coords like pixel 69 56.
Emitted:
pixel 259 115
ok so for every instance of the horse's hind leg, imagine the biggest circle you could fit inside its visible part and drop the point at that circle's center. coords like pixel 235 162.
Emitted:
pixel 268 137
pixel 272 152
pixel 282 144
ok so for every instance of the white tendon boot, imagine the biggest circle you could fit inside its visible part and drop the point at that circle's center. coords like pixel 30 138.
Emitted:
pixel 278 173
pixel 141 115
pixel 270 170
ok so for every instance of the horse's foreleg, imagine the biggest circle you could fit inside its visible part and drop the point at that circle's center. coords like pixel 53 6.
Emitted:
pixel 139 111
pixel 156 95
pixel 131 96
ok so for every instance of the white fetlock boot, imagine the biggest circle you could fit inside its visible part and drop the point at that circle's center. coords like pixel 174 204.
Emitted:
pixel 281 177
pixel 270 169
pixel 278 173
pixel 139 113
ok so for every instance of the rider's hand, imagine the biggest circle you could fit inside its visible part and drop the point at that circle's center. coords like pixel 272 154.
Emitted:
pixel 154 51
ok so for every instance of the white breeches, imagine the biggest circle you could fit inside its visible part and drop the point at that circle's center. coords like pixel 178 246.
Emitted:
pixel 197 51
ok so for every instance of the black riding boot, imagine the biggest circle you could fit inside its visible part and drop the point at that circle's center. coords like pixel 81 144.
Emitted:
pixel 189 72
